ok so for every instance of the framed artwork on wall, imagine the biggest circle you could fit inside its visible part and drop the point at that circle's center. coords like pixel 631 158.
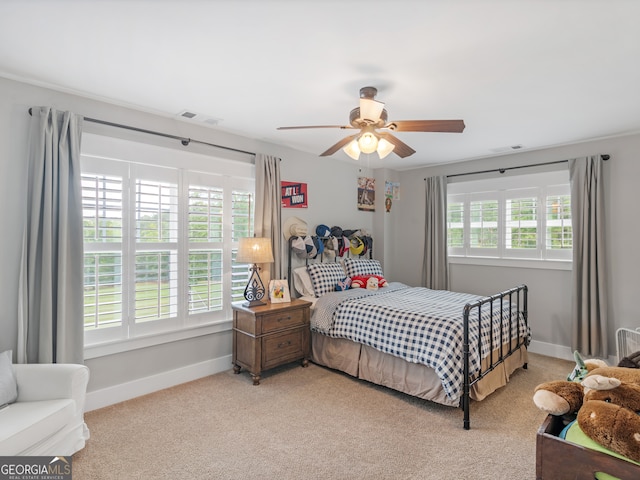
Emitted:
pixel 294 194
pixel 366 194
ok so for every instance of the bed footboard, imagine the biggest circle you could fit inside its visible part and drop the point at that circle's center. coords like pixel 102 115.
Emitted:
pixel 500 348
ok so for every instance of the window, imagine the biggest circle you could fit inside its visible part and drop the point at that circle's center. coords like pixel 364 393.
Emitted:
pixel 526 217
pixel 160 240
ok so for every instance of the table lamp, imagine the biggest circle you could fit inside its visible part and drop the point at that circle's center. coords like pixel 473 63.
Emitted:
pixel 254 250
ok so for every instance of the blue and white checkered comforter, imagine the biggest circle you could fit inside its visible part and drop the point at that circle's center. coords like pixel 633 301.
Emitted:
pixel 417 324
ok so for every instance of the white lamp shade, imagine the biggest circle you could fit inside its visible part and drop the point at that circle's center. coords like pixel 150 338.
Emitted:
pixel 254 250
pixel 370 109
pixel 385 147
pixel 352 150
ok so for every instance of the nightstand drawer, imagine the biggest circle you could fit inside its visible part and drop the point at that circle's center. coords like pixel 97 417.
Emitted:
pixel 285 319
pixel 280 346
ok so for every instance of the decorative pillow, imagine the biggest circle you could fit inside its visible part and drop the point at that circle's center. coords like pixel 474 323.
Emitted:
pixel 355 267
pixel 343 284
pixel 8 384
pixel 370 282
pixel 325 276
pixel 302 282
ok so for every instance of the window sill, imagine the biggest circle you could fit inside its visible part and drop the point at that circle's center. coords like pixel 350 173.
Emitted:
pixel 118 346
pixel 513 262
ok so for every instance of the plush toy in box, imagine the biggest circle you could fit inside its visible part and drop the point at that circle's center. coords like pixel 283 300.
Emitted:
pixel 606 401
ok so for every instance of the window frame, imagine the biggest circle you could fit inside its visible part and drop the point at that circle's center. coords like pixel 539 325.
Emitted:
pixel 131 160
pixel 536 185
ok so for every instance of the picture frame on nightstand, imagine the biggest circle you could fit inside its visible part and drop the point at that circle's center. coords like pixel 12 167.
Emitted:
pixel 279 291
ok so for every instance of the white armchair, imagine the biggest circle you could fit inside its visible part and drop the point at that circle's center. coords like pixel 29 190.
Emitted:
pixel 48 415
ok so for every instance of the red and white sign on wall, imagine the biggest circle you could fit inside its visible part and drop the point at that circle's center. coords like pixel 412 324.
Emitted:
pixel 294 195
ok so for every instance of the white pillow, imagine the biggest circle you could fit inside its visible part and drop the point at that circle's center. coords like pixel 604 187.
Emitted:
pixel 302 282
pixel 8 383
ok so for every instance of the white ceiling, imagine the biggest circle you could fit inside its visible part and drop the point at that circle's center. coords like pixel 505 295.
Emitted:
pixel 534 73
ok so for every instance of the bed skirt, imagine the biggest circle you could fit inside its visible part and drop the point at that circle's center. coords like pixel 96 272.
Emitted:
pixel 367 363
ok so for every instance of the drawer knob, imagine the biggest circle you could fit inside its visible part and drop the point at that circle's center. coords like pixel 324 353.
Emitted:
pixel 282 319
pixel 284 344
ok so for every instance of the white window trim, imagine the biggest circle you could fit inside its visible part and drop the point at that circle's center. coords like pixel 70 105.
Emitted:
pixel 548 264
pixel 124 345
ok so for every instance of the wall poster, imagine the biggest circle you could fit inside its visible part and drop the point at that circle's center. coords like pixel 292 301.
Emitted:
pixel 367 194
pixel 391 192
pixel 294 194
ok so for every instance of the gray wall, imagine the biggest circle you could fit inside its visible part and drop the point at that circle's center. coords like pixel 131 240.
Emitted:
pixel 550 303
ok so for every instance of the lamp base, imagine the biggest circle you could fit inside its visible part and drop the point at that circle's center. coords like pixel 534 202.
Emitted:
pixel 253 303
pixel 255 291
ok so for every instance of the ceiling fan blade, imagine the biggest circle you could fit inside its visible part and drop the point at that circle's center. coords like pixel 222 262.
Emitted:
pixel 401 149
pixel 339 145
pixel 370 109
pixel 343 127
pixel 451 126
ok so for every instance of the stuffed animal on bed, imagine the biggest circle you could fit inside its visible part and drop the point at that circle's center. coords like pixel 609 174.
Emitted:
pixel 370 282
pixel 606 402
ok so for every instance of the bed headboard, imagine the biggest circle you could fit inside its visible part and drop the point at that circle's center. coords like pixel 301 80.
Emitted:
pixel 365 240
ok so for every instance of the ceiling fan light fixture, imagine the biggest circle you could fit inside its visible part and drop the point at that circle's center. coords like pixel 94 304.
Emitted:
pixel 384 148
pixel 352 150
pixel 371 116
pixel 368 142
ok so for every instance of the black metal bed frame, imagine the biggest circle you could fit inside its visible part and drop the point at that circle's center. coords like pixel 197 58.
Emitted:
pixel 521 298
pixel 521 293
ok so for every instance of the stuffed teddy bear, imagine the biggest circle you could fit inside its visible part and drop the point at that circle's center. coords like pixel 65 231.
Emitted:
pixel 605 401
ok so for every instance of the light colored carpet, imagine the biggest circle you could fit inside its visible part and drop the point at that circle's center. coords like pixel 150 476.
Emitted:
pixel 308 423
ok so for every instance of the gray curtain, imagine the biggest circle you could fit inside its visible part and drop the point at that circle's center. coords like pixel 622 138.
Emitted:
pixel 589 292
pixel 50 310
pixel 267 211
pixel 435 268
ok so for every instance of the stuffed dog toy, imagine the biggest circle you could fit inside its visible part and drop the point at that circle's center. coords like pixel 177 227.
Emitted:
pixel 606 402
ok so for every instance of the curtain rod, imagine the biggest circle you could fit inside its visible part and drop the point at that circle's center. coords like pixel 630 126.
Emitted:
pixel 183 140
pixel 502 170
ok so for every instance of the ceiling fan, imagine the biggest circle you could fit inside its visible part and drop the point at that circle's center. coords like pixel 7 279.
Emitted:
pixel 370 118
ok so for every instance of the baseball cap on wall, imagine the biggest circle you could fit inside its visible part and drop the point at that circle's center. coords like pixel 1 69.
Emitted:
pixel 294 227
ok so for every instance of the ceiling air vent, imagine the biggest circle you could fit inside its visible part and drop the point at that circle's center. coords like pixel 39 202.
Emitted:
pixel 199 117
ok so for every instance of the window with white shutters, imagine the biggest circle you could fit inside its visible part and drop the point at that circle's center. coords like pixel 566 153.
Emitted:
pixel 103 226
pixel 521 217
pixel 455 224
pixel 558 228
pixel 160 244
pixel 483 224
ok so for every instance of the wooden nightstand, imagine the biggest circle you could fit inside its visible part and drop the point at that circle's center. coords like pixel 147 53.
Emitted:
pixel 271 335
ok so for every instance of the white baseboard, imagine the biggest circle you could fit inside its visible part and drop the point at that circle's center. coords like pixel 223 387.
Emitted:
pixel 551 350
pixel 560 351
pixel 143 386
